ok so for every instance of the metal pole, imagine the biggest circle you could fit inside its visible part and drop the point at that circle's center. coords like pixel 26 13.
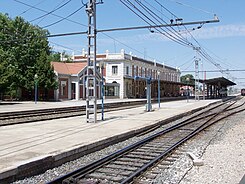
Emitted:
pixel 91 81
pixel 35 91
pixel 102 95
pixel 197 74
pixel 158 90
pixel 204 87
pixel 35 82
pixel 187 94
pixel 148 90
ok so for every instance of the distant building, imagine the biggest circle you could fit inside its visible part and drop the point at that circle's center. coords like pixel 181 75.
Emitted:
pixel 69 77
pixel 119 71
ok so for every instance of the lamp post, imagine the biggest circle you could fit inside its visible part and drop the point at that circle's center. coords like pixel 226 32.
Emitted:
pixel 102 92
pixel 187 94
pixel 35 81
pixel 158 77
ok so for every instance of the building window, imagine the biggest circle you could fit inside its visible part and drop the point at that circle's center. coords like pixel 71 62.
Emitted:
pixel 143 72
pixel 112 91
pixel 127 70
pixel 135 71
pixel 114 70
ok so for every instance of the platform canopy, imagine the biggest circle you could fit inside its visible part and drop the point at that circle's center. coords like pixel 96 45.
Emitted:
pixel 218 81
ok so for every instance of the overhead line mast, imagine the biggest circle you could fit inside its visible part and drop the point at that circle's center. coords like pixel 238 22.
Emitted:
pixel 197 59
pixel 91 81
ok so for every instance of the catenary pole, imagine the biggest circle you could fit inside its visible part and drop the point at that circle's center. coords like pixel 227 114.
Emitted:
pixel 91 81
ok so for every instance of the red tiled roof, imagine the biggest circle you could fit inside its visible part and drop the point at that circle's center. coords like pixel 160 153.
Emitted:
pixel 68 68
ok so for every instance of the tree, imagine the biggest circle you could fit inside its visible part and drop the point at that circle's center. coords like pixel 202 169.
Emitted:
pixel 60 57
pixel 24 49
pixel 45 75
pixel 187 79
pixel 54 56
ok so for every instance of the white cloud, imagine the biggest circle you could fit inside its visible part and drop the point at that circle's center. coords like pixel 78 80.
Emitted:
pixel 223 31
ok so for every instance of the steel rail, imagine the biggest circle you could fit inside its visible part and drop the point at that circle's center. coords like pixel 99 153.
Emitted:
pixel 190 120
pixel 79 173
pixel 197 130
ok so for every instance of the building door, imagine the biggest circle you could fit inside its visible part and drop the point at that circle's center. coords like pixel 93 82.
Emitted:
pixel 126 90
pixel 73 91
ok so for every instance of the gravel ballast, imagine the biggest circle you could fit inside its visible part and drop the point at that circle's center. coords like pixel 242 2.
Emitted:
pixel 224 158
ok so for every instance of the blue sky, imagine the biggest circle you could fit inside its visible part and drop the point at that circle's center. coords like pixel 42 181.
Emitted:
pixel 223 41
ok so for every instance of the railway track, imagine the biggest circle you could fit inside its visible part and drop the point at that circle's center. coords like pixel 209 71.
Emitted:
pixel 19 117
pixel 126 165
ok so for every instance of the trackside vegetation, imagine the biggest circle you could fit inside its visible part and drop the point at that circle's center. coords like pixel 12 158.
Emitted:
pixel 24 53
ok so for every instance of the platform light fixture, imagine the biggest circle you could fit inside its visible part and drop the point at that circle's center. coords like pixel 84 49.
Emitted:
pixel 102 66
pixel 158 78
pixel 35 81
pixel 187 94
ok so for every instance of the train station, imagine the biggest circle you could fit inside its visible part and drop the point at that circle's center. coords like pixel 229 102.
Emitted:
pixel 127 80
pixel 119 71
pixel 103 115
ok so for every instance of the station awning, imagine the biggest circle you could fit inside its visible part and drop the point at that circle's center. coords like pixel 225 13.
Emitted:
pixel 218 81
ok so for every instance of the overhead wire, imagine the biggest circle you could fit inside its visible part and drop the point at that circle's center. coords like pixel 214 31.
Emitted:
pixel 229 65
pixel 191 64
pixel 31 7
pixel 50 14
pixel 59 7
pixel 60 45
pixel 152 22
pixel 185 55
pixel 64 18
pixel 170 13
pixel 202 52
pixel 46 14
pixel 187 5
pixel 174 32
pixel 187 62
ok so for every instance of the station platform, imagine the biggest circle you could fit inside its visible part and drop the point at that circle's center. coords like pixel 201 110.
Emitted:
pixel 27 149
pixel 30 105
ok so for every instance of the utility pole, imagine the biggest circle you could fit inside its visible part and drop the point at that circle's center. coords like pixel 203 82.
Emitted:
pixel 91 81
pixel 197 59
